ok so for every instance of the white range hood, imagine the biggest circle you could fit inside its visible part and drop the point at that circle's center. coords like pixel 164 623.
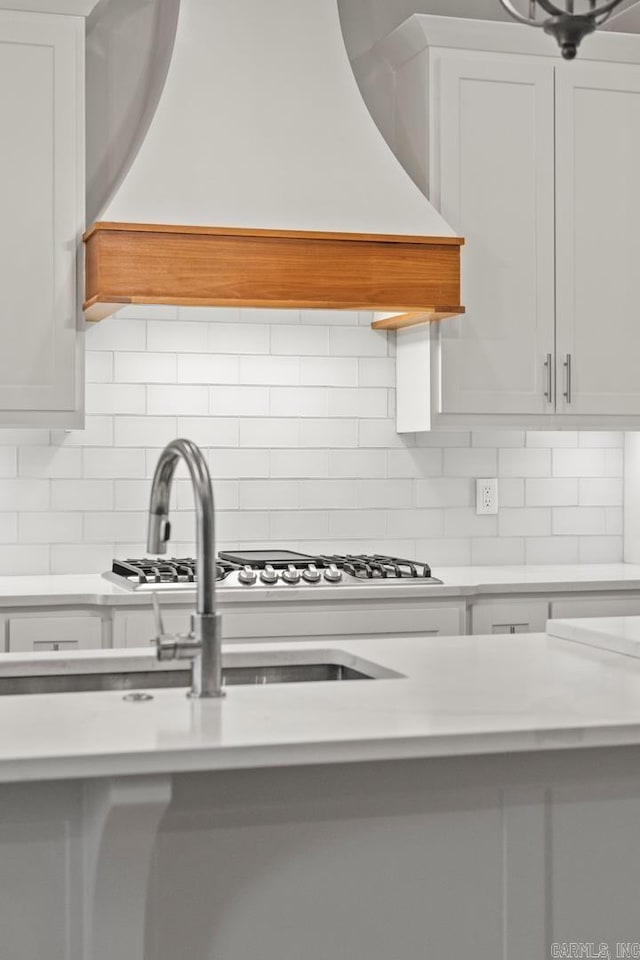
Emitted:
pixel 261 127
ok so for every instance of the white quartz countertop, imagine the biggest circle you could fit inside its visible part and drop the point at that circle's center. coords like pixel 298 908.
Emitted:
pixel 456 696
pixel 93 589
pixel 618 634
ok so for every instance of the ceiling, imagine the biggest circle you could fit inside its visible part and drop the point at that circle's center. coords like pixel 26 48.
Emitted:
pixel 366 21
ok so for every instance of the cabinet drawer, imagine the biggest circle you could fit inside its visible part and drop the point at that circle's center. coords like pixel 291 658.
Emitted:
pixel 510 616
pixel 290 621
pixel 628 606
pixel 41 634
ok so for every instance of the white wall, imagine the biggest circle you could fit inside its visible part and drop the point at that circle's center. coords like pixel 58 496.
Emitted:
pixel 295 410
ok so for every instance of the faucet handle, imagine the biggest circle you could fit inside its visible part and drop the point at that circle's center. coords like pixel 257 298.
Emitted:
pixel 157 615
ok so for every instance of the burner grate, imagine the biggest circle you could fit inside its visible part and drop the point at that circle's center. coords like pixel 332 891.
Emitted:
pixel 173 570
pixel 378 566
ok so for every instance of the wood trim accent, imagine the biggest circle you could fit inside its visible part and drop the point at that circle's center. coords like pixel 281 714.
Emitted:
pixel 229 266
pixel 428 315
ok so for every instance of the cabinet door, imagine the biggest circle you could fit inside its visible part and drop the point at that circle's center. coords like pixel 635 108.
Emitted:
pixel 41 216
pixel 598 254
pixel 54 633
pixel 509 616
pixel 494 167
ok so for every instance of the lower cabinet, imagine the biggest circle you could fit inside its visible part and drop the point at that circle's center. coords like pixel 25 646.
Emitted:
pixel 46 633
pixel 509 616
pixel 624 606
pixel 257 622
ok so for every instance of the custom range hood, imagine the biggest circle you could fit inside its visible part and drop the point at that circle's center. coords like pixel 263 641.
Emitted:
pixel 263 181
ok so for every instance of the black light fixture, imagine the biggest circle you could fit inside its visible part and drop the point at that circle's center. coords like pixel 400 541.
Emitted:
pixel 566 20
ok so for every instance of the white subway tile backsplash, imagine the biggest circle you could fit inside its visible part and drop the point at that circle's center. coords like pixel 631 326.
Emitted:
pixel 600 491
pixel 613 463
pixel 461 462
pixel 579 520
pixel 98 432
pixel 497 438
pixel 180 400
pixel 80 557
pixel 25 494
pixel 295 410
pixel 294 525
pixel 465 522
pixel 98 366
pixel 524 522
pixel 9 527
pixel 144 431
pixel 358 402
pixel 600 549
pixel 23 438
pixel 115 398
pixel 380 433
pixel 524 462
pixel 50 462
pixel 207 368
pixel 276 371
pixel 177 337
pixel 9 461
pixel 578 463
pixel 443 492
pixel 20 560
pixel 145 368
pixel 50 527
pixel 414 462
pixel 268 494
pixel 371 524
pixel 552 438
pixel 299 341
pixel 210 431
pixel 269 432
pixel 498 551
pixel 410 524
pixel 357 342
pixel 114 526
pixel 298 402
pixel 299 463
pixel 114 463
pixel 328 372
pixel 82 495
pixel 551 550
pixel 328 432
pixel 377 372
pixel 511 492
pixel 357 463
pixel 444 553
pixel 601 438
pixel 328 494
pixel 116 333
pixel 235 464
pixel 556 491
pixel 389 494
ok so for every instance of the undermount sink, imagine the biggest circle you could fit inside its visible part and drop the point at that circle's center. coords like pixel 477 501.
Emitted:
pixel 144 680
pixel 108 670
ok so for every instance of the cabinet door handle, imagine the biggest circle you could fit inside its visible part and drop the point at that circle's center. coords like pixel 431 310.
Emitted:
pixel 567 378
pixel 548 395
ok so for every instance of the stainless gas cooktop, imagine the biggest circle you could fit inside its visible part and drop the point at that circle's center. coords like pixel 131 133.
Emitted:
pixel 270 568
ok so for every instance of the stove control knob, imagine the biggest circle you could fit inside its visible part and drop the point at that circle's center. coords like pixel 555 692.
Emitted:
pixel 332 573
pixel 291 575
pixel 311 573
pixel 268 575
pixel 247 575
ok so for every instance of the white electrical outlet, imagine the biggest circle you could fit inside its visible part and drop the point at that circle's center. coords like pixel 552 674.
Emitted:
pixel 487 495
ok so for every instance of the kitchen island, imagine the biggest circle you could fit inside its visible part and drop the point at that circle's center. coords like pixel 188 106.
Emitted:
pixel 479 797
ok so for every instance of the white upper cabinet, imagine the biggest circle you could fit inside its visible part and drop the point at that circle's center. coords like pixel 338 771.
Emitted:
pixel 598 241
pixel 495 116
pixel 534 161
pixel 41 218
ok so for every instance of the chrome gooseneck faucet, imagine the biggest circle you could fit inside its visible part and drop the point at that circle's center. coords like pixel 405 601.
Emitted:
pixel 202 644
